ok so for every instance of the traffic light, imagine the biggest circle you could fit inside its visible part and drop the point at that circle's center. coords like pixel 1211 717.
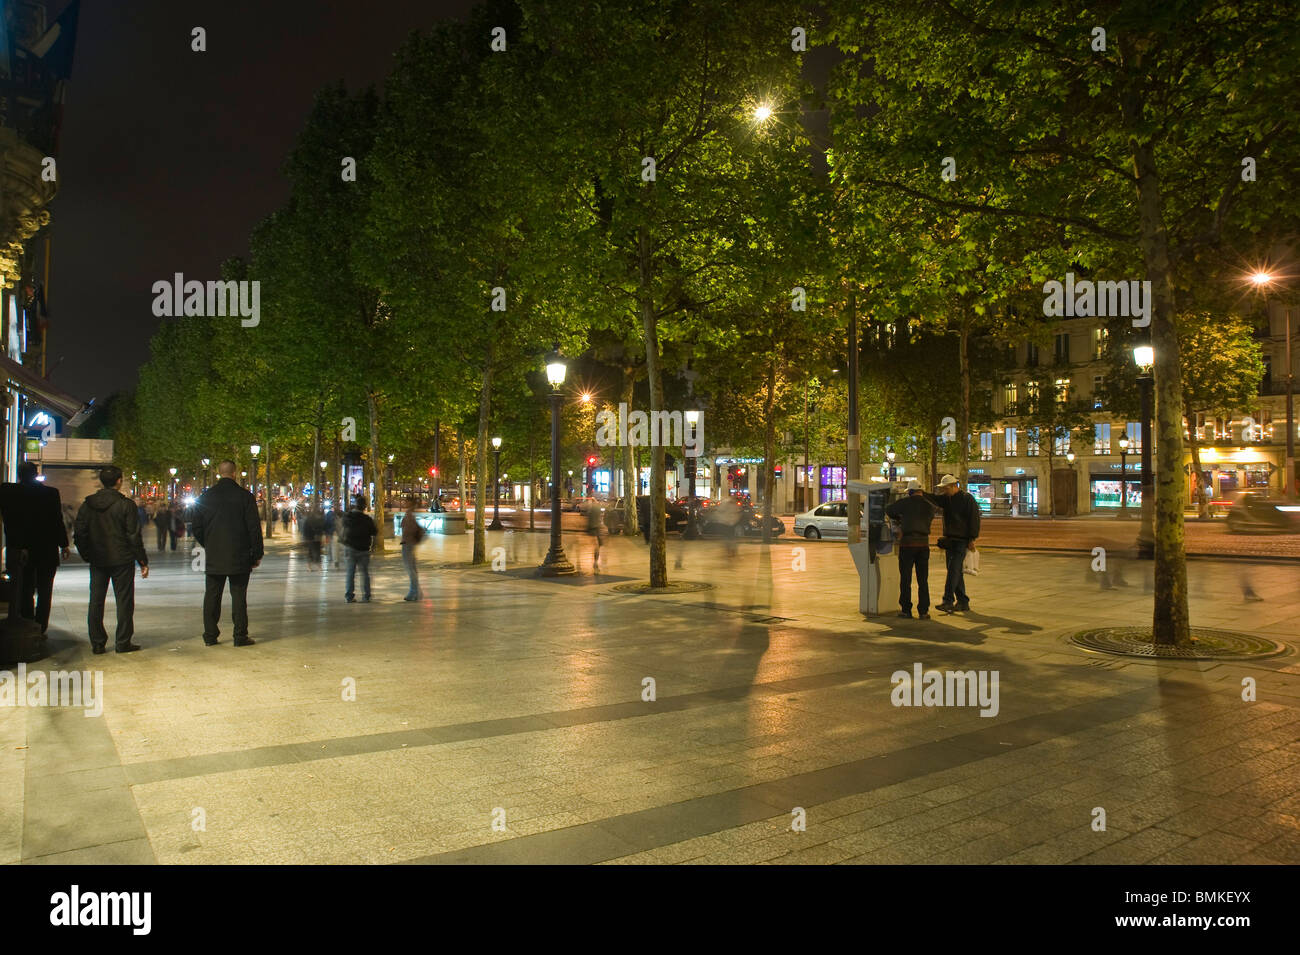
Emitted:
pixel 591 461
pixel 433 472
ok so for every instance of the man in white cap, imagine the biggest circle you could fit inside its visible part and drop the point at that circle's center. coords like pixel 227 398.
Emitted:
pixel 961 527
pixel 915 514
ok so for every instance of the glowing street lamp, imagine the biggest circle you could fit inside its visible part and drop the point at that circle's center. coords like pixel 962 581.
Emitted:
pixel 1264 281
pixel 762 113
pixel 556 563
pixel 496 524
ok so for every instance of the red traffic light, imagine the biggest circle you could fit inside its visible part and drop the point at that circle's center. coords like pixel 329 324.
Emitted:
pixel 433 472
pixel 591 461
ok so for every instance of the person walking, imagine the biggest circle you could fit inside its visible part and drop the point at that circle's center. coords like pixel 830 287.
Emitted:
pixel 961 527
pixel 596 528
pixel 35 537
pixel 227 528
pixel 359 533
pixel 178 523
pixel 412 534
pixel 162 520
pixel 107 536
pixel 313 528
pixel 143 513
pixel 284 518
pixel 330 526
pixel 915 514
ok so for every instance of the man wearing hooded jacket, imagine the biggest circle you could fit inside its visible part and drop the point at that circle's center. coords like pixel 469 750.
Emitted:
pixel 107 536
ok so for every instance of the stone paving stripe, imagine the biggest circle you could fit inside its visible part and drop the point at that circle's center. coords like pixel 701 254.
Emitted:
pixel 693 818
pixel 90 809
pixel 183 767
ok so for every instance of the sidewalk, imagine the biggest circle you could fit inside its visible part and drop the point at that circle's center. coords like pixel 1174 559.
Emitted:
pixel 506 698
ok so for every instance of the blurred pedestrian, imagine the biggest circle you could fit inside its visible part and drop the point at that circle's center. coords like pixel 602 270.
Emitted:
pixel 178 523
pixel 596 528
pixel 914 514
pixel 162 520
pixel 107 536
pixel 35 537
pixel 285 513
pixel 358 533
pixel 961 527
pixel 412 534
pixel 226 526
pixel 313 529
pixel 729 516
pixel 330 528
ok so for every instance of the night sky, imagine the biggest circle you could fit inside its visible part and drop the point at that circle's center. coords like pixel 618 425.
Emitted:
pixel 169 157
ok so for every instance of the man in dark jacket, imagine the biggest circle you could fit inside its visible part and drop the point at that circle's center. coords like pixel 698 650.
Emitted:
pixel 915 514
pixel 35 535
pixel 359 533
pixel 162 522
pixel 107 536
pixel 961 526
pixel 227 528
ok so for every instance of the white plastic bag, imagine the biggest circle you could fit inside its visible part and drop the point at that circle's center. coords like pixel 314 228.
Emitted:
pixel 971 564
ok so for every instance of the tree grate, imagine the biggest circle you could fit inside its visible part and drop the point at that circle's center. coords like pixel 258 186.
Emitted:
pixel 1206 644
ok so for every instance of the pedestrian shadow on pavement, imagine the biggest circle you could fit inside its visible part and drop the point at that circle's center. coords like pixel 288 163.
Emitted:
pixel 936 630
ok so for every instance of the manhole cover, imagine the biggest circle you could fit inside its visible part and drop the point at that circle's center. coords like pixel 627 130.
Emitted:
pixel 674 587
pixel 1206 644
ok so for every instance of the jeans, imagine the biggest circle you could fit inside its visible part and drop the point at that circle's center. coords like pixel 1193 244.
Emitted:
pixel 123 577
pixel 412 570
pixel 355 558
pixel 954 585
pixel 213 591
pixel 918 557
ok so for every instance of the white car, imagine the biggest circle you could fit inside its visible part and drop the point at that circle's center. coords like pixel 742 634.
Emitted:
pixel 826 520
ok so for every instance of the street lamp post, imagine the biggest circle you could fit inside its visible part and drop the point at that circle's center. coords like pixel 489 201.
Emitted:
pixel 1144 356
pixel 689 462
pixel 207 474
pixel 556 563
pixel 893 471
pixel 496 524
pixel 1123 478
pixel 1264 280
pixel 173 490
pixel 256 449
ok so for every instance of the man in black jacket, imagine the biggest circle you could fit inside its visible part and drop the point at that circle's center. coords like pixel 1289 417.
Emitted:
pixel 35 535
pixel 359 533
pixel 227 528
pixel 915 514
pixel 961 526
pixel 107 536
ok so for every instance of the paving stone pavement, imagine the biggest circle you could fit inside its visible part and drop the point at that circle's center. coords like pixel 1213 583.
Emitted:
pixel 503 719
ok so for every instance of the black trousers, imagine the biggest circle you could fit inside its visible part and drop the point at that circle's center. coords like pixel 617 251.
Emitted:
pixel 918 557
pixel 213 592
pixel 123 578
pixel 35 585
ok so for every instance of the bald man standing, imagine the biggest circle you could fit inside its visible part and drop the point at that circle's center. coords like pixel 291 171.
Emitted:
pixel 227 528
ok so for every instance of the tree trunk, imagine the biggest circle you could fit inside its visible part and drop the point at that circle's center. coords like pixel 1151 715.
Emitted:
pixel 1202 499
pixel 532 483
pixel 934 460
pixel 315 463
pixel 1051 471
pixel 464 499
pixel 631 483
pixel 964 428
pixel 650 330
pixel 769 448
pixel 1171 619
pixel 266 496
pixel 376 469
pixel 484 411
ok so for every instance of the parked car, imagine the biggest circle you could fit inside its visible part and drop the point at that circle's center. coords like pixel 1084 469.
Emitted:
pixel 1253 512
pixel 826 520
